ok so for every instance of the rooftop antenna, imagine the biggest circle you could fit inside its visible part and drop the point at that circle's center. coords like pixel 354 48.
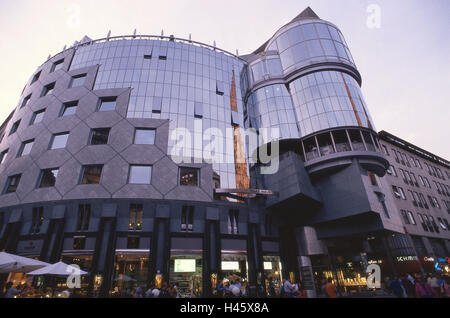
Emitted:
pixel 190 37
pixel 49 57
pixel 134 33
pixel 109 35
pixel 237 52
pixel 214 45
pixel 162 33
pixel 65 47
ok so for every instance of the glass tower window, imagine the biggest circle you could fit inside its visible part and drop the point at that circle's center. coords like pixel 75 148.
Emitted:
pixel 140 174
pixel 325 144
pixel 311 148
pixel 368 139
pixel 341 141
pixel 355 137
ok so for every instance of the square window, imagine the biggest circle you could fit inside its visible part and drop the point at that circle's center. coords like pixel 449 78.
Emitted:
pixel 14 127
pixel 48 178
pixel 219 88
pixel 35 77
pixel 77 81
pixel 163 53
pixel 57 65
pixel 25 101
pixel 157 105
pixel 69 108
pixel 133 242
pixel 189 176
pixel 107 104
pixel 12 183
pixel 91 174
pixel 48 89
pixel 140 174
pixel 144 136
pixel 3 156
pixel 37 117
pixel 79 242
pixel 59 141
pixel 26 148
pixel 99 136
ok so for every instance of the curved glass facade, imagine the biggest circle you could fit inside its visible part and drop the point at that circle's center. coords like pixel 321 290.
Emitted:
pixel 191 86
pixel 271 107
pixel 306 43
pixel 328 99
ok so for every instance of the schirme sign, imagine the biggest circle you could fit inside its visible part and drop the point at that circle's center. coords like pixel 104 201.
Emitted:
pixel 211 146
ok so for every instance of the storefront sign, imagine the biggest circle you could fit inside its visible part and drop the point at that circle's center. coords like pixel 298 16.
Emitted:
pixel 230 266
pixel 30 247
pixel 267 265
pixel 375 261
pixel 407 258
pixel 184 265
pixel 428 259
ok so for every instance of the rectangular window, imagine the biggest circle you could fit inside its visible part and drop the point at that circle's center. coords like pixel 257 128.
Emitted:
pixel 99 136
pixel 14 127
pixel 140 174
pixel 84 217
pixel 133 242
pixel 48 89
pixel 57 66
pixel 405 216
pixel 136 214
pixel 219 88
pixel 38 219
pixel 189 176
pixel 25 101
pixel 385 150
pixel 396 192
pixel 107 104
pixel 163 52
pixel 187 218
pixel 411 218
pixel 35 77
pixel 233 221
pixel 48 178
pixel 442 224
pixel 422 221
pixel 144 136
pixel 77 81
pixel 12 183
pixel 382 199
pixel 198 110
pixel 69 108
pixel 59 141
pixel 157 105
pixel 3 156
pixel 26 147
pixel 91 174
pixel 37 117
pixel 79 242
pixel 373 179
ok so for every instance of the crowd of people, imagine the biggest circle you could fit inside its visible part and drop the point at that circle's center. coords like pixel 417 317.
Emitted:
pixel 404 286
pixel 418 286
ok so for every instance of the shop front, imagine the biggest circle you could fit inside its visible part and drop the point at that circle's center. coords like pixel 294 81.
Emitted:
pixel 272 274
pixel 130 270
pixel 84 260
pixel 186 266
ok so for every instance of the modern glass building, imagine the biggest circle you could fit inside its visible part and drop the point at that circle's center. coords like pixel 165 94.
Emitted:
pixel 90 171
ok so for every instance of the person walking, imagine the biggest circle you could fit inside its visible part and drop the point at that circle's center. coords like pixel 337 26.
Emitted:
pixel 330 289
pixel 11 291
pixel 423 289
pixel 288 288
pixel 272 292
pixel 396 287
pixel 408 286
pixel 433 281
pixel 301 290
pixel 445 287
